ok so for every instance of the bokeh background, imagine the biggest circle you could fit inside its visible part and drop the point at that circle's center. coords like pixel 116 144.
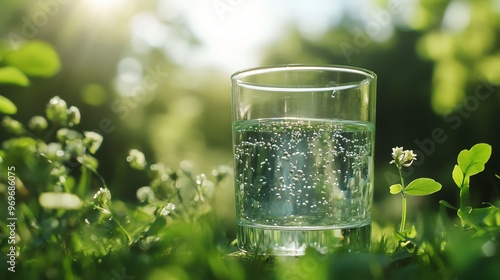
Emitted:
pixel 154 75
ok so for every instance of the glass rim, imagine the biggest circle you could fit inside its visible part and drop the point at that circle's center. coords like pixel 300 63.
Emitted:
pixel 368 74
pixel 365 77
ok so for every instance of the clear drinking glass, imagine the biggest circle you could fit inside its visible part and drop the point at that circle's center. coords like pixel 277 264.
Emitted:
pixel 303 143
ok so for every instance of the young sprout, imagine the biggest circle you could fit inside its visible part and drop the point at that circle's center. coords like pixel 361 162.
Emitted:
pixel 418 187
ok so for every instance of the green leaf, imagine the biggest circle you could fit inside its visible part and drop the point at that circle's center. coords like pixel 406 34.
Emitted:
pixel 479 217
pixel 406 234
pixel 465 194
pixel 19 143
pixel 458 176
pixel 422 186
pixel 472 161
pixel 6 106
pixel 35 58
pixel 396 188
pixel 493 217
pixel 157 226
pixel 12 75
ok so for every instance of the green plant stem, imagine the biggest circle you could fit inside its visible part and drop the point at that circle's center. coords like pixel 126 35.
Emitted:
pixel 178 193
pixel 403 213
pixel 122 229
pixel 129 238
pixel 464 192
pixel 403 203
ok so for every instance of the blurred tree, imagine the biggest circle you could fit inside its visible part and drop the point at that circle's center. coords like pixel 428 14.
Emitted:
pixel 437 79
pixel 124 67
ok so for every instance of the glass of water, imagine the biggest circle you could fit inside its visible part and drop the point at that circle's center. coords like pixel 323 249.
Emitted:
pixel 303 143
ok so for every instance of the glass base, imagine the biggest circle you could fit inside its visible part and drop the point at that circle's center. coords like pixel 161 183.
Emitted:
pixel 293 241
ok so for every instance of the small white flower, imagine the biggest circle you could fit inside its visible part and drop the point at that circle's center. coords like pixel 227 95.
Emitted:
pixel 402 157
pixel 92 140
pixel 397 154
pixel 103 195
pixel 409 157
pixel 204 187
pixel 167 209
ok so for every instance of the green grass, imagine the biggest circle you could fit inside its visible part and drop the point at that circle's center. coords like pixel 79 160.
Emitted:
pixel 69 226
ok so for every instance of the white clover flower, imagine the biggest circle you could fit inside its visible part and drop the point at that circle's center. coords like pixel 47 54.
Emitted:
pixel 409 157
pixel 397 154
pixel 402 157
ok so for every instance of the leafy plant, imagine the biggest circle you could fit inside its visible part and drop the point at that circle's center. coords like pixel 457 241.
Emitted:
pixel 449 249
pixel 65 210
pixel 469 163
pixel 418 187
pixel 32 59
pixel 70 226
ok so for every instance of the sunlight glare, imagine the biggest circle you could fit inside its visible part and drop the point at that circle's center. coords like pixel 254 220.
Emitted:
pixel 103 5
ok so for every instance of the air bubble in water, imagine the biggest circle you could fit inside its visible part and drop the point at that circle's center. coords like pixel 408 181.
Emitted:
pixel 334 93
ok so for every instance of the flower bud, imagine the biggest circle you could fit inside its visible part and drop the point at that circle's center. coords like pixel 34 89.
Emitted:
pixel 56 110
pixel 136 159
pixel 75 147
pixel 89 161
pixel 145 194
pixel 73 116
pixel 13 126
pixel 167 209
pixel 103 196
pixel 55 152
pixel 221 172
pixel 92 141
pixel 65 134
pixel 37 123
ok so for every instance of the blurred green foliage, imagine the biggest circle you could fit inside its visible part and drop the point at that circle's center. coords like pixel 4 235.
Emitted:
pixel 35 59
pixel 434 60
pixel 64 229
pixel 438 67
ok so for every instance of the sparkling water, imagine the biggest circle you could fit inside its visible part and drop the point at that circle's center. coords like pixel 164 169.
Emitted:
pixel 303 183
